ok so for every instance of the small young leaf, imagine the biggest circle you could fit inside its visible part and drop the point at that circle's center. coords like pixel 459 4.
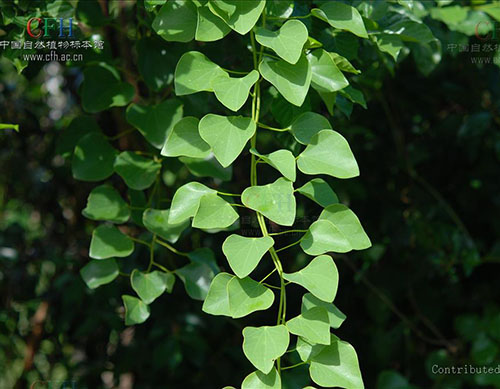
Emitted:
pixel 136 311
pixel 93 158
pixel 226 135
pixel 335 316
pixel 176 21
pixel 263 345
pixel 138 172
pixel 232 91
pixel 217 300
pixel 328 153
pixel 292 81
pixel 319 191
pixel 275 201
pixel 287 42
pixel 149 286
pixel 185 140
pixel 99 272
pixel 326 76
pixel 186 201
pixel 343 64
pixel 341 16
pixel 108 241
pixel 308 124
pixel 214 213
pixel 240 15
pixel 156 221
pixel 320 277
pixel 194 73
pixel 105 203
pixel 322 237
pixel 244 254
pixel 259 380
pixel 247 296
pixel 313 325
pixel 281 160
pixel 390 44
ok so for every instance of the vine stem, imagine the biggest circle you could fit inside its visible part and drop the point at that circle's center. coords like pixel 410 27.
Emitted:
pixel 171 248
pixel 254 182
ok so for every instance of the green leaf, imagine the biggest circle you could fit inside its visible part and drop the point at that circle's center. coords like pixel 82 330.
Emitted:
pixel 263 345
pixel 275 201
pixel 326 76
pixel 156 221
pixel 240 15
pixel 348 224
pixel 247 296
pixel 226 135
pixel 196 277
pixel 244 254
pixel 292 81
pixel 319 191
pixel 343 64
pixel 71 135
pixel 136 311
pixel 308 124
pixel 108 241
pixel 194 73
pixel 155 122
pixel 337 365
pixel 320 277
pixel 313 325
pixel 335 316
pixel 323 237
pixel 137 171
pixel 287 42
pixel 259 380
pixel 306 350
pixel 410 31
pixel 214 213
pixel 390 44
pixel 186 201
pixel 105 203
pixel 342 17
pixel 99 272
pixel 328 153
pixel 150 286
pixel 185 140
pixel 390 379
pixel 281 160
pixel 210 27
pixel 102 89
pixel 93 158
pixel 208 167
pixel 155 63
pixel 233 92
pixel 217 300
pixel 176 21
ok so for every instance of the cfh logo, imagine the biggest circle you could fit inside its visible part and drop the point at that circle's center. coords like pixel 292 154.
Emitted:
pixel 46 27
pixel 485 24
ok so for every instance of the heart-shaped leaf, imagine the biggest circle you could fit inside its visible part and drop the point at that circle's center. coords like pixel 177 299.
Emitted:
pixel 240 15
pixel 306 350
pixel 102 89
pixel 322 237
pixel 336 365
pixel 326 76
pixel 247 296
pixel 320 277
pixel 99 272
pixel 217 301
pixel 185 140
pixel 259 380
pixel 156 221
pixel 232 91
pixel 150 286
pixel 105 203
pixel 210 27
pixel 186 201
pixel 136 311
pixel 292 81
pixel 214 213
pixel 156 63
pixel 335 316
pixel 71 135
pixel 275 201
pixel 108 241
pixel 244 254
pixel 176 21
pixel 196 277
pixel 226 135
pixel 194 73
pixel 348 224
pixel 308 124
pixel 341 16
pixel 313 325
pixel 137 171
pixel 287 42
pixel 93 158
pixel 155 122
pixel 328 153
pixel 207 167
pixel 281 160
pixel 319 191
pixel 263 345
